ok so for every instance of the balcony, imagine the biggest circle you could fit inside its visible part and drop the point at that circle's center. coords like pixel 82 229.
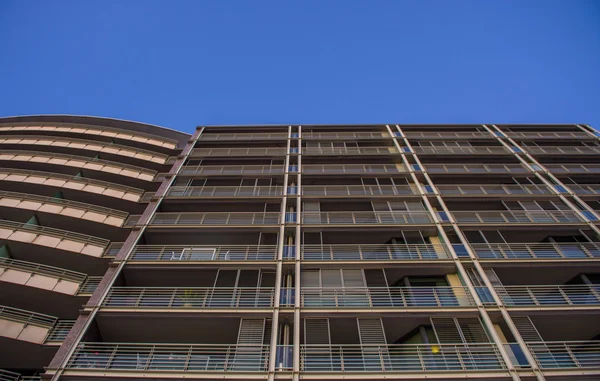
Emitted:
pixel 40 276
pixel 518 217
pixel 166 358
pixel 161 298
pixel 566 296
pixel 549 135
pixel 192 253
pixel 573 168
pixel 209 218
pixel 244 136
pixel 357 190
pixel 366 218
pixel 338 151
pixel 477 169
pixel 493 190
pixel 386 297
pixel 465 150
pixel 584 189
pixel 401 358
pixel 374 252
pixel 558 150
pixel 353 169
pixel 231 170
pixel 310 135
pixel 557 355
pixel 528 251
pixel 224 191
pixel 448 135
pixel 6 375
pixel 238 152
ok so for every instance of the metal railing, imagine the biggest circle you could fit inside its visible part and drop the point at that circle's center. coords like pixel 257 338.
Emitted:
pixel 374 252
pixel 27 317
pixel 448 135
pixel 549 295
pixel 229 170
pixel 316 169
pixel 366 217
pixel 90 285
pixel 175 253
pixel 60 331
pixel 255 151
pixel 345 135
pixel 573 168
pixel 464 150
pixel 221 191
pixel 244 136
pixel 402 358
pixel 171 357
pixel 493 189
pixel 358 190
pixel 210 218
pixel 565 150
pixel 385 297
pixel 36 268
pixel 476 168
pixel 566 354
pixel 517 216
pixel 572 250
pixel 387 150
pixel 549 135
pixel 190 297
pixel 583 189
pixel 36 229
pixel 6 375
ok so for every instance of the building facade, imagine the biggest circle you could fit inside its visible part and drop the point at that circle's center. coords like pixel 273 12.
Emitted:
pixel 319 252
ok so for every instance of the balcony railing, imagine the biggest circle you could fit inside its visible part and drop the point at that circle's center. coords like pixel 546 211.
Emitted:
pixel 358 190
pixel 231 170
pixel 244 136
pixel 464 150
pixel 345 135
pixel 174 253
pixel 476 168
pixel 401 358
pixel 365 217
pixel 385 297
pixel 567 150
pixel 36 268
pixel 536 250
pixel 90 285
pixel 549 295
pixel 27 317
pixel 448 135
pixel 492 189
pixel 349 150
pixel 210 218
pixel 219 191
pixel 374 252
pixel 316 169
pixel 189 297
pixel 566 354
pixel 228 152
pixel 549 135
pixel 44 230
pixel 59 332
pixel 573 168
pixel 6 375
pixel 170 357
pixel 584 189
pixel 517 217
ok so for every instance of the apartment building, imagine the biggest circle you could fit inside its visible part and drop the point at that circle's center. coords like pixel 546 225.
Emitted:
pixel 320 252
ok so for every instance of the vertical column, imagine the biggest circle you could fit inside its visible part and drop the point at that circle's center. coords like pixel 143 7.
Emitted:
pixel 297 263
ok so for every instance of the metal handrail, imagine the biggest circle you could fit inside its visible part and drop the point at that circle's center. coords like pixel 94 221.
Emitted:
pixel 366 217
pixel 476 168
pixel 225 191
pixel 566 354
pixel 171 357
pixel 227 170
pixel 493 189
pixel 315 169
pixel 374 252
pixel 537 250
pixel 582 189
pixel 244 136
pixel 345 135
pixel 403 358
pixel 385 297
pixel 6 375
pixel 358 190
pixel 549 295
pixel 254 151
pixel 27 317
pixel 175 253
pixel 564 150
pixel 190 297
pixel 55 272
pixel 65 203
pixel 573 168
pixel 54 232
pixel 517 216
pixel 210 218
pixel 448 135
pixel 89 285
pixel 384 150
pixel 461 150
pixel 60 331
pixel 548 135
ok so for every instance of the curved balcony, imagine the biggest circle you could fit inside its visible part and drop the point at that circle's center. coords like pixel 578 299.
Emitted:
pixel 66 208
pixel 87 145
pixel 558 150
pixel 448 135
pixel 366 218
pixel 201 253
pixel 353 169
pixel 385 297
pixel 477 169
pixel 569 296
pixel 189 298
pixel 465 150
pixel 169 358
pixel 45 277
pixel 82 184
pixel 493 190
pixel 518 217
pixel 346 135
pixel 78 162
pixel 209 218
pixel 340 151
pixel 243 136
pixel 549 135
pixel 374 252
pixel 557 355
pixel 238 152
pixel 358 190
pixel 222 191
pixel 25 325
pixel 401 358
pixel 573 168
pixel 98 131
pixel 52 238
pixel 528 251
pixel 231 170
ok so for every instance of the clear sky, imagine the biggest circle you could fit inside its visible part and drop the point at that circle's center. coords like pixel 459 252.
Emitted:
pixel 181 63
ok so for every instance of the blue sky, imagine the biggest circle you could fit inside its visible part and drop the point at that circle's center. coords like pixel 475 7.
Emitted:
pixel 185 63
